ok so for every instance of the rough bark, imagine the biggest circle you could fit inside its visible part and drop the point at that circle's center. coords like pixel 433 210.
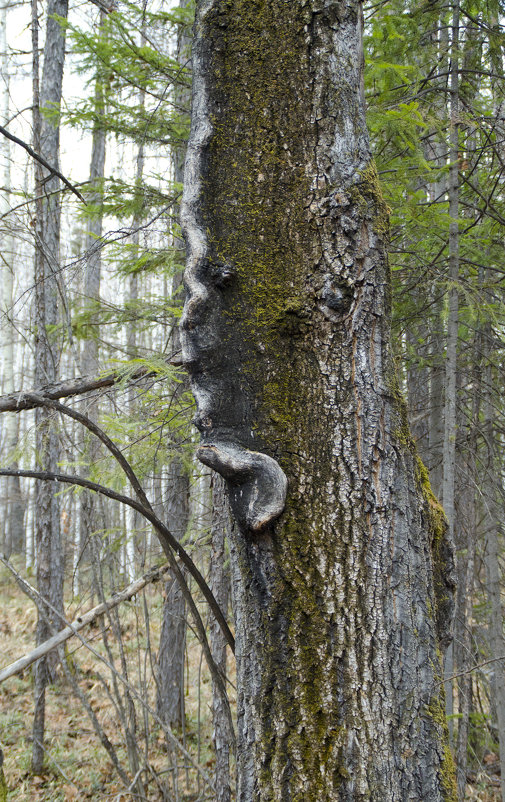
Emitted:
pixel 437 193
pixel 171 655
pixel 170 662
pixel 47 245
pixel 451 353
pixel 340 585
pixel 492 518
pixel 219 582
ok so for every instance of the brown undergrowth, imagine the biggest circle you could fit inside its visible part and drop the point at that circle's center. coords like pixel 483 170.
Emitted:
pixel 78 767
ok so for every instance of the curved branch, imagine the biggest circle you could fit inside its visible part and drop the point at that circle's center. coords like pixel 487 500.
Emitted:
pixel 38 400
pixel 170 545
pixel 168 541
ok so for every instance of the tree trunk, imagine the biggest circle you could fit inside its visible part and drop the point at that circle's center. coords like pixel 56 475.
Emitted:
pixel 170 662
pixel 438 192
pixel 170 688
pixel 466 512
pixel 341 585
pixel 492 520
pixel 15 509
pixel 451 360
pixel 88 519
pixel 47 247
pixel 219 582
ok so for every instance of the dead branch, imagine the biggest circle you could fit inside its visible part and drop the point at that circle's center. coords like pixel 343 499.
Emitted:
pixel 40 159
pixel 15 402
pixel 168 541
pixel 81 621
pixel 40 602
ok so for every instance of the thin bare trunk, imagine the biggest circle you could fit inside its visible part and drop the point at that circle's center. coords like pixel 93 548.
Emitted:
pixel 451 362
pixel 170 695
pixel 14 509
pixel 47 256
pixel 88 518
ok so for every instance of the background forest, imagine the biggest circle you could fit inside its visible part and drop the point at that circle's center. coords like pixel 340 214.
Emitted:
pixel 134 705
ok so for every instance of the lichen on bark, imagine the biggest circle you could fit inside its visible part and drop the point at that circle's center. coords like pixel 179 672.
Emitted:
pixel 286 334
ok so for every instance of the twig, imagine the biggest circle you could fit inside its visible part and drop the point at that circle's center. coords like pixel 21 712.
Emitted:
pixel 471 670
pixel 40 159
pixel 78 623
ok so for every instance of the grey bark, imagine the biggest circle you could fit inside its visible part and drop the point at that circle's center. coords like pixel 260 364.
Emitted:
pixel 494 515
pixel 170 661
pixel 171 655
pixel 342 576
pixel 451 360
pixel 88 514
pixel 492 519
pixel 437 338
pixel 417 382
pixel 49 549
pixel 14 510
pixel 219 582
pixel 466 534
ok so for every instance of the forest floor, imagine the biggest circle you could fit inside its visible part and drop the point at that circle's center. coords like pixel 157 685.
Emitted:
pixel 78 767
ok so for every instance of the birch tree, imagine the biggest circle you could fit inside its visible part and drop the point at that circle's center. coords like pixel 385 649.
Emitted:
pixel 342 573
pixel 14 511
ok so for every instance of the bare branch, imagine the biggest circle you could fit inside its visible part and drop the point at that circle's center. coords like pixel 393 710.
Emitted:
pixel 168 541
pixel 40 602
pixel 15 402
pixel 40 159
pixel 81 621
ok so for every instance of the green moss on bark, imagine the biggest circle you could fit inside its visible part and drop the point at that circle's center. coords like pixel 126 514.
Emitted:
pixel 264 193
pixel 257 209
pixel 367 194
pixel 436 712
pixel 3 787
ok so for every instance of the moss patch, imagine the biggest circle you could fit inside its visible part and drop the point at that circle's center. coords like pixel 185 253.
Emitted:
pixel 436 712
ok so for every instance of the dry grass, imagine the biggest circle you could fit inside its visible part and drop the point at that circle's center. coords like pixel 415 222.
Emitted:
pixel 77 765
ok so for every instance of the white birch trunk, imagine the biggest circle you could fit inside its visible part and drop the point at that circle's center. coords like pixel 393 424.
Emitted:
pixel 14 508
